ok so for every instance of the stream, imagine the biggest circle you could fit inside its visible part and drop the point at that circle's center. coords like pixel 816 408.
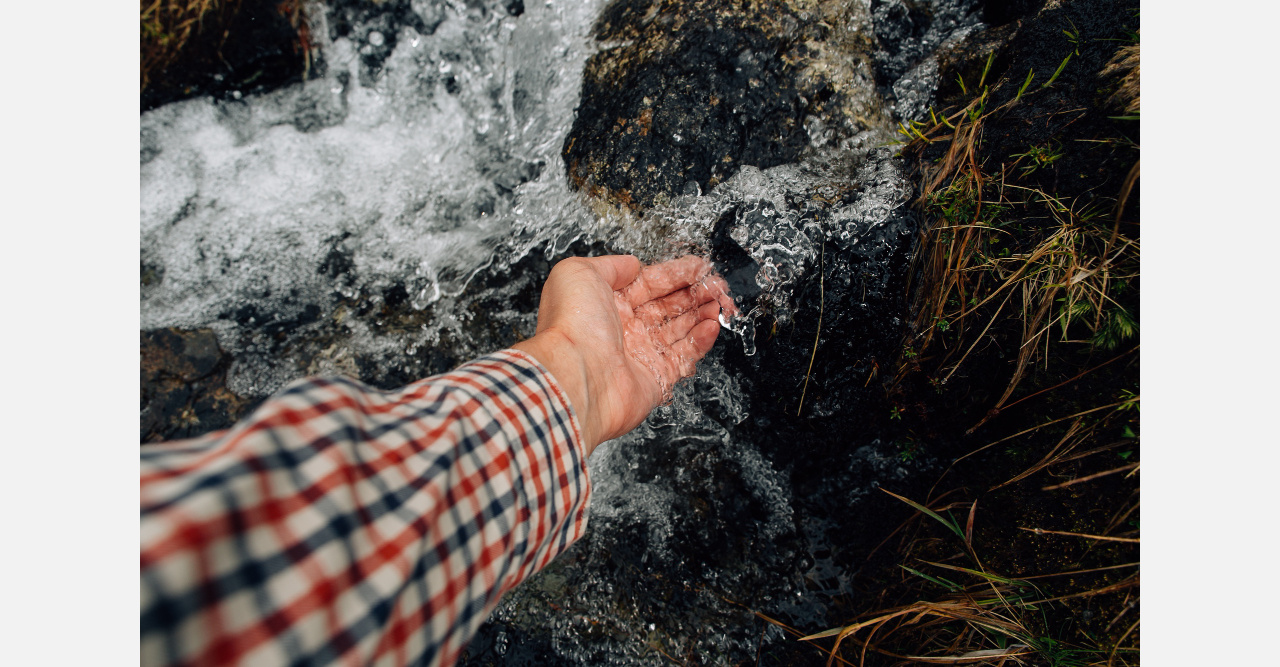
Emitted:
pixel 395 215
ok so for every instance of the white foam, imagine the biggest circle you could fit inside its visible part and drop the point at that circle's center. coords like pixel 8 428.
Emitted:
pixel 242 201
pixel 408 171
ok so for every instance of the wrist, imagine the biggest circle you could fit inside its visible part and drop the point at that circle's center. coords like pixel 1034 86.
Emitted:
pixel 559 355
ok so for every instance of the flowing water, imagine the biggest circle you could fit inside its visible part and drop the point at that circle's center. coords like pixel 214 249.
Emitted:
pixel 395 215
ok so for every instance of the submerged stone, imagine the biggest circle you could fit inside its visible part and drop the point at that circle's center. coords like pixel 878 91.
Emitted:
pixel 183 385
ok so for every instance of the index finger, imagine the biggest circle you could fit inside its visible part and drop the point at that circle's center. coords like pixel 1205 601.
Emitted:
pixel 658 280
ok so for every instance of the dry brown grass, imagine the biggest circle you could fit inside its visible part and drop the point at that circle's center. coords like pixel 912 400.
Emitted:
pixel 1000 252
pixel 983 618
pixel 1127 64
pixel 166 28
pixel 169 27
pixel 1006 258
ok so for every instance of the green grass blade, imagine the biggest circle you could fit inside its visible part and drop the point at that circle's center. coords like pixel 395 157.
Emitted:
pixel 1030 74
pixel 990 57
pixel 941 581
pixel 954 527
pixel 979 573
pixel 1059 71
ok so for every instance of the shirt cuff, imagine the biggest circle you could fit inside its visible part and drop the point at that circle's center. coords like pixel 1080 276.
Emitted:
pixel 546 439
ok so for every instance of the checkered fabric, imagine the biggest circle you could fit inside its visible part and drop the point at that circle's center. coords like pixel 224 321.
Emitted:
pixel 341 524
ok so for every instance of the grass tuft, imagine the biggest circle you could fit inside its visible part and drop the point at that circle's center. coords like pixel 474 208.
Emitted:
pixel 1127 64
pixel 169 27
pixel 979 617
pixel 996 241
pixel 1022 295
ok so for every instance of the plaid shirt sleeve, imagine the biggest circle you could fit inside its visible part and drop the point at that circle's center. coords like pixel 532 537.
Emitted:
pixel 341 524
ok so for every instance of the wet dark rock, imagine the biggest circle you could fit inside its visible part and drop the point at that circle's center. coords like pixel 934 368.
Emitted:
pixel 240 48
pixel 834 441
pixel 692 90
pixel 898 21
pixel 1001 12
pixel 908 31
pixel 275 324
pixel 899 26
pixel 183 386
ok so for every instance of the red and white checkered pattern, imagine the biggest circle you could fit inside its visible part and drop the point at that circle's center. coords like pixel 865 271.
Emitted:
pixel 341 524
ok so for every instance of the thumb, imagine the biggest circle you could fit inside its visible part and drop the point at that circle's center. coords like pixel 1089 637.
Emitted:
pixel 617 270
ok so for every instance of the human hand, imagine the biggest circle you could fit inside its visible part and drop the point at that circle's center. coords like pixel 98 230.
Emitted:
pixel 618 335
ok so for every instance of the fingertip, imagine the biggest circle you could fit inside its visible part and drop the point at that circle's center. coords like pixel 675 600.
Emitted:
pixel 704 336
pixel 719 288
pixel 709 311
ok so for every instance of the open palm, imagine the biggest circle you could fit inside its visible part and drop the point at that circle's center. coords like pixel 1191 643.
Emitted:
pixel 638 329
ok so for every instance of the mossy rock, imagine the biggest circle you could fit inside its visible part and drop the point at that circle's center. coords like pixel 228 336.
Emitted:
pixel 686 92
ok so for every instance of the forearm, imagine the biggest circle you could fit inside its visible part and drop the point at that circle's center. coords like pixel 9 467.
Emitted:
pixel 565 360
pixel 344 522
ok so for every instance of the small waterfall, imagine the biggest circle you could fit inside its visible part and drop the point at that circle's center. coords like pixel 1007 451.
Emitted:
pixel 395 215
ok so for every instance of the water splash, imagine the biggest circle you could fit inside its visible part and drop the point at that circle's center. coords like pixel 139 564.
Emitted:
pixel 386 221
pixel 350 186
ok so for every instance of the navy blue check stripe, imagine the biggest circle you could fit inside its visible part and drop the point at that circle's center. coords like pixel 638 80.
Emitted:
pixel 302 515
